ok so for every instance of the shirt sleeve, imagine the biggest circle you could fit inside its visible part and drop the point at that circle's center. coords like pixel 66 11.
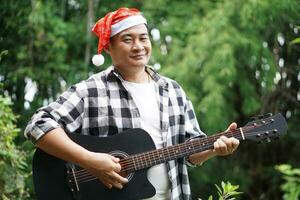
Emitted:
pixel 66 112
pixel 192 127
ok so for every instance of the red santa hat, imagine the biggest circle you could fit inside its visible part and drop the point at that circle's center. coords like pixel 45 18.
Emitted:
pixel 112 24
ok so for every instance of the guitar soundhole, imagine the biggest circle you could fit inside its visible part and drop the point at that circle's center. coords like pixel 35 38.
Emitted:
pixel 122 155
pixel 124 174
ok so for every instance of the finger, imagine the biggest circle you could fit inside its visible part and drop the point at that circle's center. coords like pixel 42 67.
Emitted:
pixel 228 142
pixel 118 178
pixel 117 167
pixel 222 146
pixel 218 148
pixel 117 185
pixel 232 126
pixel 108 185
pixel 115 159
pixel 216 145
pixel 235 143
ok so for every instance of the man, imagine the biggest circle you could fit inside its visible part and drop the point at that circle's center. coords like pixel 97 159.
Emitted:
pixel 127 95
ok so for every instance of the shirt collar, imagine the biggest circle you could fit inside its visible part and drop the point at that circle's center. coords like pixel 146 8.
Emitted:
pixel 111 73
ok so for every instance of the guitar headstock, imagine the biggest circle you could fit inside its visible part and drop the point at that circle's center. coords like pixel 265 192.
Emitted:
pixel 265 128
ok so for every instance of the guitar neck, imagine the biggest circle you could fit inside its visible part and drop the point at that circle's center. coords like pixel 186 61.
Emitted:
pixel 154 157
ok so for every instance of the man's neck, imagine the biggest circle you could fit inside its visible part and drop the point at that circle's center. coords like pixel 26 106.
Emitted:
pixel 137 75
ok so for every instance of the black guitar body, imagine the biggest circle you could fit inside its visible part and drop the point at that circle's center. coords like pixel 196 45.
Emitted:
pixel 50 175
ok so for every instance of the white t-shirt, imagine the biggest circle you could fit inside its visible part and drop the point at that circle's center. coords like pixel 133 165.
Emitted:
pixel 144 96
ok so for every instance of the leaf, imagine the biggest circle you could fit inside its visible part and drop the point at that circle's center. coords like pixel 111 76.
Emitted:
pixel 295 41
pixel 5 52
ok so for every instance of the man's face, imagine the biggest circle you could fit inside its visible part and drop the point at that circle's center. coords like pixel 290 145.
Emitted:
pixel 130 48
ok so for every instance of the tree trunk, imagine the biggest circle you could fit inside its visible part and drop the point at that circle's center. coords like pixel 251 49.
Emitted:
pixel 90 20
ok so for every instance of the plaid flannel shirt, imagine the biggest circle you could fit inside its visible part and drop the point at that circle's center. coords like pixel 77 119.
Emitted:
pixel 101 106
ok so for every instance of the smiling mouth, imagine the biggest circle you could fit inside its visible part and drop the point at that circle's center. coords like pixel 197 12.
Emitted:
pixel 138 56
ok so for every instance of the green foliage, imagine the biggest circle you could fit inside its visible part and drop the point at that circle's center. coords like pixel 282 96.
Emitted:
pixel 225 48
pixel 291 185
pixel 234 58
pixel 5 52
pixel 12 159
pixel 226 191
pixel 296 40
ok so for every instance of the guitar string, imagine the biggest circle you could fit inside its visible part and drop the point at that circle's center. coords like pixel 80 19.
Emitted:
pixel 129 164
pixel 85 175
pixel 126 162
pixel 123 162
pixel 130 160
pixel 87 178
pixel 187 150
pixel 174 149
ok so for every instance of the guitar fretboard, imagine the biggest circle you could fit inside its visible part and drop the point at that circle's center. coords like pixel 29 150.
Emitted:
pixel 154 157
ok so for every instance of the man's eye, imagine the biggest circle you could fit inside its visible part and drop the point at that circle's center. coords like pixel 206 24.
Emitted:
pixel 127 40
pixel 144 38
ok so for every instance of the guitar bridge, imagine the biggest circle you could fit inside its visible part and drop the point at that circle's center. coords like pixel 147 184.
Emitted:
pixel 71 180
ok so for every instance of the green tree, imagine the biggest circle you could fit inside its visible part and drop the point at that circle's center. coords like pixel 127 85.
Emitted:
pixel 13 167
pixel 234 60
pixel 232 57
pixel 291 185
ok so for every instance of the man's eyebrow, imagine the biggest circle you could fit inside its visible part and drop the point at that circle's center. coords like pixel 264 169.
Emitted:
pixel 144 34
pixel 126 35
pixel 130 35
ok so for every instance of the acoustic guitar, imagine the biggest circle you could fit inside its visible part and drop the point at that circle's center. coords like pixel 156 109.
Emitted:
pixel 57 179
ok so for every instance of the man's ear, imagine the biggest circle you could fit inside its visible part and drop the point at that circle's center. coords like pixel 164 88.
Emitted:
pixel 107 49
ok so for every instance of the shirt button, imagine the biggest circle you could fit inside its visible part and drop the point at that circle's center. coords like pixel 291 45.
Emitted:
pixel 135 113
pixel 165 127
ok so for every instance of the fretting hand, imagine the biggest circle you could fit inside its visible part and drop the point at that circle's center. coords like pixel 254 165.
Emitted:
pixel 224 145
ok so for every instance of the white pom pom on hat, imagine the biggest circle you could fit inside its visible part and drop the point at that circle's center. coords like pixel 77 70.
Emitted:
pixel 98 60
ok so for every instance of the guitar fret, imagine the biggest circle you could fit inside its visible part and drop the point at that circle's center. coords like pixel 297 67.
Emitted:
pixel 148 154
pixel 153 157
pixel 134 162
pixel 150 160
pixel 139 161
pixel 159 155
pixel 168 153
pixel 162 156
pixel 144 163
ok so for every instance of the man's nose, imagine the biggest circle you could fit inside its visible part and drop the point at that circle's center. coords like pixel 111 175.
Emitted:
pixel 137 45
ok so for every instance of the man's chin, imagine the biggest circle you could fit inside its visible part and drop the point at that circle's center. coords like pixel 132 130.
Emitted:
pixel 139 63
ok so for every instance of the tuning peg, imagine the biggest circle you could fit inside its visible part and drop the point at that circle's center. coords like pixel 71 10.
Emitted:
pixel 268 140
pixel 266 133
pixel 261 116
pixel 276 138
pixel 268 115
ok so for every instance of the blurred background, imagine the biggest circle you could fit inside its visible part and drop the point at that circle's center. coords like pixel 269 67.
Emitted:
pixel 235 59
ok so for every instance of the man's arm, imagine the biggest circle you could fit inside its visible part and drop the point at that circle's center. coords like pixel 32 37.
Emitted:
pixel 104 166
